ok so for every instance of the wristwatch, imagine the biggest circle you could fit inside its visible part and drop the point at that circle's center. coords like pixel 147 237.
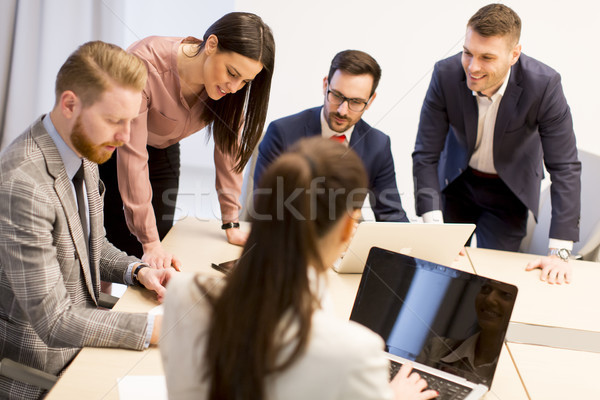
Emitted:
pixel 230 225
pixel 136 271
pixel 563 254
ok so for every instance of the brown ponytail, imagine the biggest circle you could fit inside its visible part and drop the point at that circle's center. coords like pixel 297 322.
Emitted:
pixel 269 291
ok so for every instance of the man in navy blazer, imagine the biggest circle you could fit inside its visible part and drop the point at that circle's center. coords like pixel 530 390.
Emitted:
pixel 349 90
pixel 490 116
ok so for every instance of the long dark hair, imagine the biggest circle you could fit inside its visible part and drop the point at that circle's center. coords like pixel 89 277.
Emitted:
pixel 245 34
pixel 269 292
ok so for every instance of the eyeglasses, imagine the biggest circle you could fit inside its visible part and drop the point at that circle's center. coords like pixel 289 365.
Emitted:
pixel 337 99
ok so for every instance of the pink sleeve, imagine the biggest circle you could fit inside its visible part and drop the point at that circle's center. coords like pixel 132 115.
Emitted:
pixel 228 185
pixel 134 180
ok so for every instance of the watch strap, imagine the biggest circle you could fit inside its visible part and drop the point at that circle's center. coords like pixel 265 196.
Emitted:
pixel 136 271
pixel 230 225
pixel 563 254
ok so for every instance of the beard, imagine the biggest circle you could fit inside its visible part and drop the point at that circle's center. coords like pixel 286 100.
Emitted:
pixel 343 128
pixel 88 149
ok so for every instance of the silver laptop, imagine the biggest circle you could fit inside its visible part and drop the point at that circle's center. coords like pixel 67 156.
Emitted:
pixel 435 316
pixel 439 243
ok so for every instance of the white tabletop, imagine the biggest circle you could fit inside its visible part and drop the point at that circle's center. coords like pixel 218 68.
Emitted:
pixel 559 374
pixel 94 372
pixel 574 305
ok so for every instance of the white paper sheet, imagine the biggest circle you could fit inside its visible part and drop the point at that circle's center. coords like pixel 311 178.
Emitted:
pixel 147 387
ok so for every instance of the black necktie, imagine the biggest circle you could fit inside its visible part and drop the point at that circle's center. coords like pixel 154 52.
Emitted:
pixel 78 183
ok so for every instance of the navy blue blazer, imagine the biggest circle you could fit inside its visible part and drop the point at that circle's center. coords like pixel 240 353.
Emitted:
pixel 534 123
pixel 372 146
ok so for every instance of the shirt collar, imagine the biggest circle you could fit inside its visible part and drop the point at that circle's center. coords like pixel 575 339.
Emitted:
pixel 500 91
pixel 70 159
pixel 467 351
pixel 327 132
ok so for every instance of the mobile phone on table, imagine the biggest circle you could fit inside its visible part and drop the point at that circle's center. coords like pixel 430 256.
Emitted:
pixel 225 267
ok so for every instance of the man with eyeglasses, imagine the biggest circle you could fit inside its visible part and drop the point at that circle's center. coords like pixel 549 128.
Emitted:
pixel 349 91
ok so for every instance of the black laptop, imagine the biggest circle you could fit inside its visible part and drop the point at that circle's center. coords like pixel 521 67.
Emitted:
pixel 450 324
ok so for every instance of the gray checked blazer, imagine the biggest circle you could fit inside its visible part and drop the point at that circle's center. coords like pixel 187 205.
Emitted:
pixel 48 301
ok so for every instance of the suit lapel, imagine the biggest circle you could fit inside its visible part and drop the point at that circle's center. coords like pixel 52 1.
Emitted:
pixel 508 105
pixel 64 192
pixel 313 123
pixel 62 186
pixel 357 139
pixel 470 114
pixel 95 211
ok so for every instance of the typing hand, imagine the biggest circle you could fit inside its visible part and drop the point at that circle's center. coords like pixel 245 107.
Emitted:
pixel 156 257
pixel 407 386
pixel 554 270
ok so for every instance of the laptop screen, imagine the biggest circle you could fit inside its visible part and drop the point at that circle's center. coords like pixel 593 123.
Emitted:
pixel 447 319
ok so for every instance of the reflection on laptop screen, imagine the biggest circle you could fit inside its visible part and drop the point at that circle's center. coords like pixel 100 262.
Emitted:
pixel 451 320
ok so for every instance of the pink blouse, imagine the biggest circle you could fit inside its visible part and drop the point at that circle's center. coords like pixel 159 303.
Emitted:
pixel 165 118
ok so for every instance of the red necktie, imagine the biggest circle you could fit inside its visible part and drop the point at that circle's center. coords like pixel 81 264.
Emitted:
pixel 339 138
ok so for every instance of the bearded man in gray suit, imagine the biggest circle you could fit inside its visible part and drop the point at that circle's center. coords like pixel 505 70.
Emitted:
pixel 53 251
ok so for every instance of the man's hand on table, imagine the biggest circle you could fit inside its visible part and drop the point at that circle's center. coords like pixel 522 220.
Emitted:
pixel 554 269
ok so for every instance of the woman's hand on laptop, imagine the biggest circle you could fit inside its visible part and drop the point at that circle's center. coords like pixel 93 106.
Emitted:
pixel 407 386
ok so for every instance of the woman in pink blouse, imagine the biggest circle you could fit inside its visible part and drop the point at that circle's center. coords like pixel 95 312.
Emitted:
pixel 221 82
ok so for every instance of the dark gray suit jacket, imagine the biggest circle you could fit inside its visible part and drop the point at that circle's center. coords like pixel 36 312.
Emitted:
pixel 371 145
pixel 533 124
pixel 48 302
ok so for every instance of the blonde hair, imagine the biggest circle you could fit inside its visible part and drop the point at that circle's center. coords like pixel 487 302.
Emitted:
pixel 94 67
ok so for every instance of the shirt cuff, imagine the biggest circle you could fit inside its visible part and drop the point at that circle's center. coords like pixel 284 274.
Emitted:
pixel 149 329
pixel 433 217
pixel 560 244
pixel 128 278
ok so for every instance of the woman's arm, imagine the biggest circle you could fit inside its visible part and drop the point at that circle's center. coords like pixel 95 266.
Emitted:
pixel 229 188
pixel 136 192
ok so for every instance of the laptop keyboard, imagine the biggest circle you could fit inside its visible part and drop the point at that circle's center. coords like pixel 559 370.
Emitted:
pixel 448 390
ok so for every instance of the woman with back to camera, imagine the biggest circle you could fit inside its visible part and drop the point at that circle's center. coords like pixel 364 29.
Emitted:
pixel 221 82
pixel 265 332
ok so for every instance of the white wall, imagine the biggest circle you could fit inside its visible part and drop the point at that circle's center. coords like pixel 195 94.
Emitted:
pixel 177 18
pixel 407 38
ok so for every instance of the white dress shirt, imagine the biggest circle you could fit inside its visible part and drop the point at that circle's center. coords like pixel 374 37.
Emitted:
pixel 482 158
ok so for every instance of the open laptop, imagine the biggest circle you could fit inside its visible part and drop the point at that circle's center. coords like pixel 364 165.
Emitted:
pixel 439 243
pixel 434 316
